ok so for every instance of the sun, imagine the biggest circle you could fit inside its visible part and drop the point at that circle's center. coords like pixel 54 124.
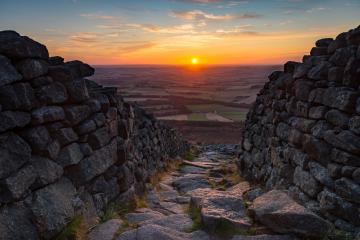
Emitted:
pixel 194 61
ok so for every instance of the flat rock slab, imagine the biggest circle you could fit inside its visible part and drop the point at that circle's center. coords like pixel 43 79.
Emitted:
pixel 239 189
pixel 221 208
pixel 193 170
pixel 190 182
pixel 265 237
pixel 206 165
pixel 179 222
pixel 156 232
pixel 171 208
pixel 279 212
pixel 143 214
pixel 106 231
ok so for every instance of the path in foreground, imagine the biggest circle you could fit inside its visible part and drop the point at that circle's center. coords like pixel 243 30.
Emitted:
pixel 204 200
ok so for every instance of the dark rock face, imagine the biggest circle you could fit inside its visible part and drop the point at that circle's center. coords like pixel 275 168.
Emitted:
pixel 68 146
pixel 314 152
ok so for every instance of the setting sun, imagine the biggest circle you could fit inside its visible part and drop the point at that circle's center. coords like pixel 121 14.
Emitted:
pixel 194 61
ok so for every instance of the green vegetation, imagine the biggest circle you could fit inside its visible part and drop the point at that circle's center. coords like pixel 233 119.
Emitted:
pixel 195 215
pixel 115 210
pixel 235 116
pixel 226 229
pixel 337 234
pixel 201 108
pixel 74 230
pixel 197 117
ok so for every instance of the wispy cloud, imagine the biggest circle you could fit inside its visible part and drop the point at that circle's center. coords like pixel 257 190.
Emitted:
pixel 184 28
pixel 99 16
pixel 199 14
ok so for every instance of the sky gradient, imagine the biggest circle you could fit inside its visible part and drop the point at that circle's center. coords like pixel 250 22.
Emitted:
pixel 175 31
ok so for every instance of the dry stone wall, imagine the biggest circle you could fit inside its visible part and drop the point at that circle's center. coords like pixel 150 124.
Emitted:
pixel 303 132
pixel 68 146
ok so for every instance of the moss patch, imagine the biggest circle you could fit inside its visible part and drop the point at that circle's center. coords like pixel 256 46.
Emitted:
pixel 195 215
pixel 76 229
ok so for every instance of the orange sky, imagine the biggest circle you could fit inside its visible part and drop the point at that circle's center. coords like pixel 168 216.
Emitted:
pixel 175 31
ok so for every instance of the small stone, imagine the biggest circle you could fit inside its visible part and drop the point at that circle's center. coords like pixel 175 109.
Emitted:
pixel 56 60
pixel 319 72
pixel 70 155
pixel 337 118
pixel 79 69
pixel 347 171
pixel 317 112
pixel 76 114
pixel 86 127
pixel 336 74
pixel 334 170
pixel 8 74
pixel 32 68
pixel 345 140
pixel 339 42
pixel 47 114
pixel 41 81
pixel 321 174
pixel 60 73
pixel 53 93
pixel 10 120
pixel 317 149
pixel 354 124
pixel 306 182
pixel 341 56
pixel 18 96
pixel 356 175
pixel 99 138
pixel 352 73
pixel 46 170
pixel 190 182
pixel 318 51
pixel 86 149
pixel 77 90
pixel 354 37
pixel 341 98
pixel 290 66
pixel 66 136
pixel 348 189
pixel 325 42
pixel 301 70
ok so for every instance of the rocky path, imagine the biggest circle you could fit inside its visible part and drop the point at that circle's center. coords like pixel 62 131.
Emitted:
pixel 204 199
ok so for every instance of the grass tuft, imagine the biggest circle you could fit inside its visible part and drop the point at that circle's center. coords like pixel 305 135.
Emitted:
pixel 115 210
pixel 76 229
pixel 195 215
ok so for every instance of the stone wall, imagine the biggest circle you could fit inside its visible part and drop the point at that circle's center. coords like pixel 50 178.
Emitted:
pixel 68 146
pixel 303 132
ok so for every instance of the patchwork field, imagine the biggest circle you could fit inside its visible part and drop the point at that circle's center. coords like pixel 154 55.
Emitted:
pixel 189 94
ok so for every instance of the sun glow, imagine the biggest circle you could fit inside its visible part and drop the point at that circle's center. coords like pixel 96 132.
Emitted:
pixel 194 61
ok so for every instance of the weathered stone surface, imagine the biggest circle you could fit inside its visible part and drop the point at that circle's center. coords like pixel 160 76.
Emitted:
pixel 41 81
pixel 16 222
pixel 279 212
pixel 321 174
pixel 85 127
pixel 345 140
pixel 336 74
pixel 79 69
pixel 76 114
pixel 306 182
pixel 15 46
pixel 319 71
pixel 337 118
pixel 178 222
pixel 318 51
pixel 352 73
pixel 52 207
pixel 317 112
pixel 348 189
pixel 32 68
pixel 341 98
pixel 264 237
pixel 47 114
pixel 56 60
pixel 106 231
pixel 8 74
pixel 10 120
pixel 66 136
pixel 53 93
pixel 190 182
pixel 317 149
pixel 18 184
pixel 70 155
pixel 344 158
pixel 60 73
pixel 143 214
pixel 354 124
pixel 342 56
pixel 325 42
pixel 95 164
pixel 77 90
pixel 14 152
pixel 99 138
pixel 19 96
pixel 46 170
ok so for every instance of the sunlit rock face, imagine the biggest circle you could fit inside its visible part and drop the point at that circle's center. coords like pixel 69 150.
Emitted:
pixel 68 146
pixel 302 133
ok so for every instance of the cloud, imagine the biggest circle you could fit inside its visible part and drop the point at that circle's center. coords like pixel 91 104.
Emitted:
pixel 85 37
pixel 136 47
pixel 184 28
pixel 199 14
pixel 98 16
